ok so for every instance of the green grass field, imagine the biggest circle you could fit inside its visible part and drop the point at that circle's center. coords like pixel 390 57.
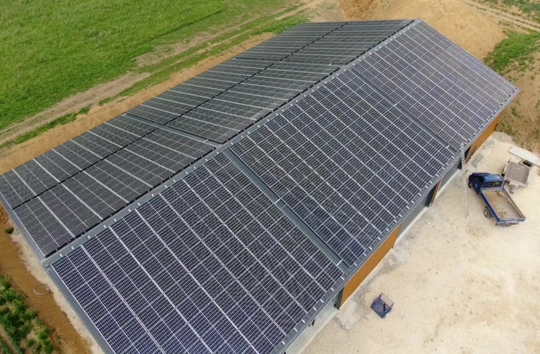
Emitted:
pixel 52 49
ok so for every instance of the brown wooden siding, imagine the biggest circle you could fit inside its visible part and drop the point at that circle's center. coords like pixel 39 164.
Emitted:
pixel 482 138
pixel 434 193
pixel 368 267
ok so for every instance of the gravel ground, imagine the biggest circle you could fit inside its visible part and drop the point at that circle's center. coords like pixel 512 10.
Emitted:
pixel 460 284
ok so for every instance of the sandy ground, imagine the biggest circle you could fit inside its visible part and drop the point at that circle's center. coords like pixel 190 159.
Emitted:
pixel 460 284
pixel 20 266
pixel 469 28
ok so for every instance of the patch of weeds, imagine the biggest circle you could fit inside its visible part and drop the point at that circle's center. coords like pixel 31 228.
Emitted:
pixel 9 230
pixel 25 331
pixel 515 52
pixel 506 128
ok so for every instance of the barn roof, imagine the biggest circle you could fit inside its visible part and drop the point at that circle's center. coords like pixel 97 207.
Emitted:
pixel 225 213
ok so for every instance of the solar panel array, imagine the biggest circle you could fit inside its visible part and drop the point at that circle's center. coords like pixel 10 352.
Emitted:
pixel 438 83
pixel 82 182
pixel 65 192
pixel 287 43
pixel 347 162
pixel 347 42
pixel 238 253
pixel 233 110
pixel 210 265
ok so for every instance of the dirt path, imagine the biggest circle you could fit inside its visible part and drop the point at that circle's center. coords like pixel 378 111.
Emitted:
pixel 71 105
pixel 15 267
pixel 504 16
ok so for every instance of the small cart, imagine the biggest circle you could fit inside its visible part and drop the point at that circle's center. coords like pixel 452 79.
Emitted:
pixel 516 174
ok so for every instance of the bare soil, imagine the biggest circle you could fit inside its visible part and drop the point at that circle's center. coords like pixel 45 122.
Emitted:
pixel 455 19
pixel 504 17
pixel 522 119
pixel 24 272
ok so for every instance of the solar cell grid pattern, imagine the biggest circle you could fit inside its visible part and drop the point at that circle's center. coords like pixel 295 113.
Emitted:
pixel 192 93
pixel 346 161
pixel 209 265
pixel 438 83
pixel 44 172
pixel 347 42
pixel 101 178
pixel 287 43
pixel 226 114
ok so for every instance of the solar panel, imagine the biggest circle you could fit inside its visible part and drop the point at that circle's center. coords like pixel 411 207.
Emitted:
pixel 347 42
pixel 347 162
pixel 438 83
pixel 284 45
pixel 48 170
pixel 209 265
pixel 81 200
pixel 192 93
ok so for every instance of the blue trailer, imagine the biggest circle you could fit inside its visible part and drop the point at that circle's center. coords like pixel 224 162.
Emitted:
pixel 499 205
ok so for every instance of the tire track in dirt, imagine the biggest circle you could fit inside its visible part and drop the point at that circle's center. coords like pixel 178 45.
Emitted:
pixel 504 16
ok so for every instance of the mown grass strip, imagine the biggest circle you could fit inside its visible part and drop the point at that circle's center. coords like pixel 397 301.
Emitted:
pixel 163 70
pixel 188 59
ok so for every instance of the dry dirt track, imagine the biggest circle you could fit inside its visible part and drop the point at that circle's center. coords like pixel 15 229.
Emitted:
pixel 504 16
pixel 460 284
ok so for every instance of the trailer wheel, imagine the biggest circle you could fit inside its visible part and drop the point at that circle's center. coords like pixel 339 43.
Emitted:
pixel 487 213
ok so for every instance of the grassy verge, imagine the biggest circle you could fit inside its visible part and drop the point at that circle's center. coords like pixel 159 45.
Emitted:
pixel 163 70
pixel 46 127
pixel 516 53
pixel 54 49
pixel 26 332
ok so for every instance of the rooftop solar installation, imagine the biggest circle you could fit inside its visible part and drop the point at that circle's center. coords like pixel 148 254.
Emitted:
pixel 437 82
pixel 222 215
pixel 210 265
pixel 347 42
pixel 67 191
pixel 347 162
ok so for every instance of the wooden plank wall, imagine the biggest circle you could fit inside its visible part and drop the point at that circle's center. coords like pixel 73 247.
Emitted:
pixel 368 266
pixel 482 138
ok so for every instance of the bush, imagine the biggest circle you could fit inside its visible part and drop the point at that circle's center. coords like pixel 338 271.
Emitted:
pixel 48 347
pixel 10 230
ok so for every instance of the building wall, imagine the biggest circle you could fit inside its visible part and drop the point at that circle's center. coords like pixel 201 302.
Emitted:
pixel 367 267
pixel 482 138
